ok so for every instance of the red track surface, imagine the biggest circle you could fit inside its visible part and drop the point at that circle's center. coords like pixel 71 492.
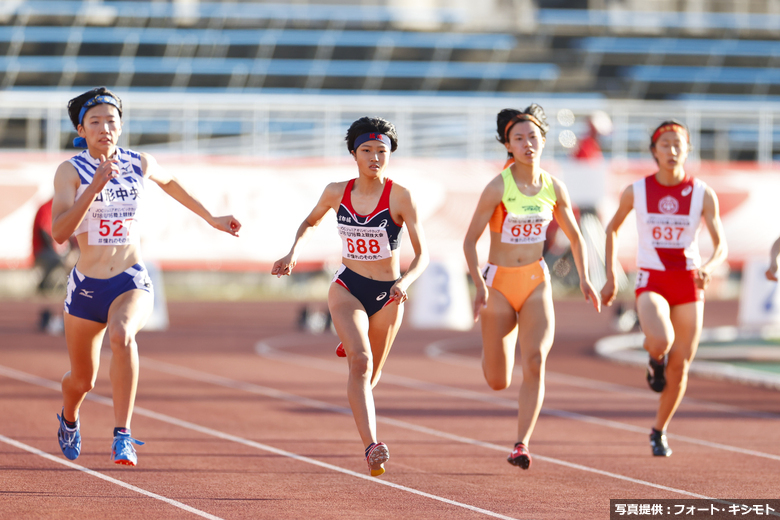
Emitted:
pixel 265 435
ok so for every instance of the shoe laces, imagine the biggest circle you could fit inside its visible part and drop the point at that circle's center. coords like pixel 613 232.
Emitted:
pixel 123 444
pixel 520 449
pixel 67 436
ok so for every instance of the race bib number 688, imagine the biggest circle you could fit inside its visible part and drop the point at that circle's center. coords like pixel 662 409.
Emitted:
pixel 365 244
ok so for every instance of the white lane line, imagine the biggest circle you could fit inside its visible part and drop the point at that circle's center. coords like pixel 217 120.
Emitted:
pixel 205 377
pixel 264 349
pixel 442 350
pixel 65 462
pixel 35 380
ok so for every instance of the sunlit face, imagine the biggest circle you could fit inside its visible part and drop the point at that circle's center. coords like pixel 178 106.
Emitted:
pixel 525 142
pixel 372 158
pixel 671 150
pixel 101 127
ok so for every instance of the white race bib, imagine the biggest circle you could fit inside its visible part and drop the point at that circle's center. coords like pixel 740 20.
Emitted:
pixel 524 229
pixel 112 226
pixel 364 243
pixel 669 231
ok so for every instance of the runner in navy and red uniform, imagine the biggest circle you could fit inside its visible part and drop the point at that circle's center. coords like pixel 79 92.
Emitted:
pixel 670 278
pixel 370 211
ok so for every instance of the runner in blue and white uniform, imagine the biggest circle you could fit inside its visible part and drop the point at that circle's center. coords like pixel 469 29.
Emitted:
pixel 368 289
pixel 99 197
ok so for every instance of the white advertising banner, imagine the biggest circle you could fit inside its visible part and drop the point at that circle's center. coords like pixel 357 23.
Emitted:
pixel 271 199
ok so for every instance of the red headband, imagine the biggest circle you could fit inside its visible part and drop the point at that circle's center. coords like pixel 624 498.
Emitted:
pixel 673 127
pixel 521 117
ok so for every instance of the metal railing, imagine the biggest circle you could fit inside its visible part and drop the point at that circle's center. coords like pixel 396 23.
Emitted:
pixel 286 125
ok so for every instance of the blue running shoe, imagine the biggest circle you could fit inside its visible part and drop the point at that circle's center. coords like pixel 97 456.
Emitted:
pixel 122 451
pixel 70 440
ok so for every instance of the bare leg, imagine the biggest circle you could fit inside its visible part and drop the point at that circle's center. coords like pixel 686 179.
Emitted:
pixel 382 329
pixel 654 317
pixel 84 339
pixel 126 316
pixel 351 323
pixel 499 339
pixel 536 323
pixel 687 321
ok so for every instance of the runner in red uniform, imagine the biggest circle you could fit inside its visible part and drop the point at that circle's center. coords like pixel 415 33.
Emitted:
pixel 671 278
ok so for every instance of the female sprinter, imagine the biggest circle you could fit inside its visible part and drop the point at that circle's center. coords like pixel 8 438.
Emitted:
pixel 370 211
pixel 99 196
pixel 670 279
pixel 514 296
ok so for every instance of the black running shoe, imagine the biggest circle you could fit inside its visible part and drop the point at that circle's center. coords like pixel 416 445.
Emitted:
pixel 520 456
pixel 656 376
pixel 658 444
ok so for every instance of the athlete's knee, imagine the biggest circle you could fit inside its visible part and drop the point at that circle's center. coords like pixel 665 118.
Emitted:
pixel 677 371
pixel 360 365
pixel 533 366
pixel 81 384
pixel 658 346
pixel 498 381
pixel 122 339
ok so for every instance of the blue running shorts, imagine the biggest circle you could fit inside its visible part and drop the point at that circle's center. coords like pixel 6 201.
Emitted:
pixel 90 298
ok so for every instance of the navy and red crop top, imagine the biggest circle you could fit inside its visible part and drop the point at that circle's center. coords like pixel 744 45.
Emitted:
pixel 368 237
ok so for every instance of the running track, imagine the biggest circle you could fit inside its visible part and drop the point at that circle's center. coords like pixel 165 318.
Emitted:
pixel 244 417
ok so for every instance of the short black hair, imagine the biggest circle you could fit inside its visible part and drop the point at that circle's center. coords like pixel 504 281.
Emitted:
pixel 366 125
pixel 506 115
pixel 75 104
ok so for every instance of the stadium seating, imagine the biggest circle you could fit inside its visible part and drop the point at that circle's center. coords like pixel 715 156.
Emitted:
pixel 154 44
pixel 342 47
pixel 596 21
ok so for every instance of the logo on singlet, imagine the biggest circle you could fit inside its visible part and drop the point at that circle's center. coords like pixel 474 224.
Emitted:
pixel 668 205
pixel 381 296
pixel 383 223
pixel 687 191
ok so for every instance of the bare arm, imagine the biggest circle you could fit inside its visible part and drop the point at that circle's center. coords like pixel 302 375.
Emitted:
pixel 488 201
pixel 67 211
pixel 609 291
pixel 171 185
pixel 330 199
pixel 774 252
pixel 565 219
pixel 407 209
pixel 711 215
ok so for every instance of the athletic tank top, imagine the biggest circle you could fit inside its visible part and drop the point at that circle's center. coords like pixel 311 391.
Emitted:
pixel 367 237
pixel 668 219
pixel 522 219
pixel 112 218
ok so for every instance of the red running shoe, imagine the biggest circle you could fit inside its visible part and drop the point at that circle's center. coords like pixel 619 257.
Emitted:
pixel 340 352
pixel 520 456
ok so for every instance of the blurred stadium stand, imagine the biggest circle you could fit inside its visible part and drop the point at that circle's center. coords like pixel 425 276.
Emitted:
pixel 291 70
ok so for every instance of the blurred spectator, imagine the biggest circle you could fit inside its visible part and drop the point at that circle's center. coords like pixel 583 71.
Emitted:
pixel 49 256
pixel 52 260
pixel 599 125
